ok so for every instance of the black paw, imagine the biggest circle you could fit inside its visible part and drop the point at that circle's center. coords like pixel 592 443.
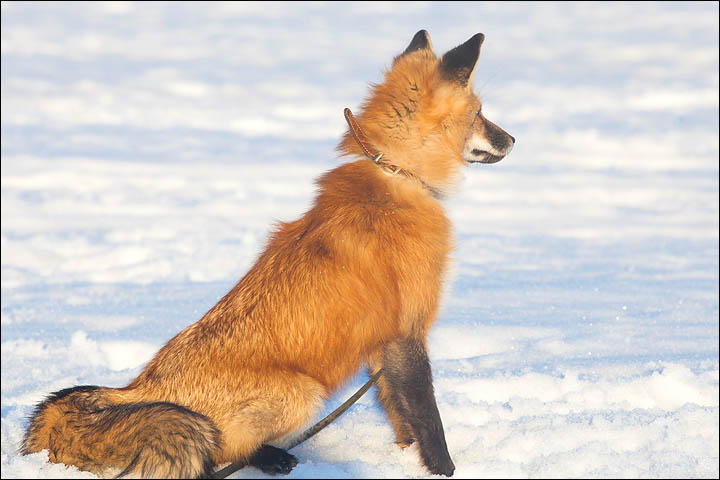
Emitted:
pixel 439 462
pixel 445 467
pixel 273 460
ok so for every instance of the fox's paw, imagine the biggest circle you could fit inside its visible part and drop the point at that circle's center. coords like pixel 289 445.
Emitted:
pixel 443 467
pixel 438 460
pixel 273 460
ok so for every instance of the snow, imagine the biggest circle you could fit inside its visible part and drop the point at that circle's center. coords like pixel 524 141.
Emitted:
pixel 148 149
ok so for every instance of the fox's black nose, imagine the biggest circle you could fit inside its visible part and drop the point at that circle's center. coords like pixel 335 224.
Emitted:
pixel 512 138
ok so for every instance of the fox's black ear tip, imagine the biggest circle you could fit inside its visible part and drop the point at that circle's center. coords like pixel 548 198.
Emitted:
pixel 459 63
pixel 420 41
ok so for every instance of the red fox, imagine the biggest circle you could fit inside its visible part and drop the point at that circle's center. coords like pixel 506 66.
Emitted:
pixel 354 282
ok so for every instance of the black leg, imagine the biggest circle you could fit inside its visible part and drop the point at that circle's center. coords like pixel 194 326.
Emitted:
pixel 406 368
pixel 396 414
pixel 273 460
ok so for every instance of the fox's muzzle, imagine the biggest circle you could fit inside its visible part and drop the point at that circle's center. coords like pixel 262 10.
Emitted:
pixel 487 143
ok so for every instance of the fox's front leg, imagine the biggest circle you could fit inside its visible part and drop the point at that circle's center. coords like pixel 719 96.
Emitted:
pixel 406 392
pixel 391 403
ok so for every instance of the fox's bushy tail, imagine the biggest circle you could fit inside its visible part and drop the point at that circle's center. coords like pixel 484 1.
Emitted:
pixel 83 427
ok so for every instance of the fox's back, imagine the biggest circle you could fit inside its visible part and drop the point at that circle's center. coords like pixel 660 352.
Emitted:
pixel 354 271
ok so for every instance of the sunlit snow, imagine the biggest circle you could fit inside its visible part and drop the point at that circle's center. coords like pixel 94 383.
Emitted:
pixel 149 148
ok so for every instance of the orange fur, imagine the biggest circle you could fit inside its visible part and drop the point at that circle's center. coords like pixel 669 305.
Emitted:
pixel 362 269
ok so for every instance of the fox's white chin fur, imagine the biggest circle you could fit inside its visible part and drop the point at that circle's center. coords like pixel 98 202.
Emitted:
pixel 480 150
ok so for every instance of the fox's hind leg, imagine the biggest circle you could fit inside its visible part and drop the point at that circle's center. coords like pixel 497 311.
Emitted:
pixel 287 403
pixel 273 460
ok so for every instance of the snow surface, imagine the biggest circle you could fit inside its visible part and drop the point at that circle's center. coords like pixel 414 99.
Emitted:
pixel 147 150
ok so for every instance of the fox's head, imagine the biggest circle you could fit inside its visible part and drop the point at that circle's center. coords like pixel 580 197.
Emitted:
pixel 425 117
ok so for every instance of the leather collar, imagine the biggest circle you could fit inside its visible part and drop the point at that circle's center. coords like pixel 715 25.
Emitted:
pixel 376 156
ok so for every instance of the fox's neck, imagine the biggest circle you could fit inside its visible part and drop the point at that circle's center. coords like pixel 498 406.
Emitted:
pixel 371 152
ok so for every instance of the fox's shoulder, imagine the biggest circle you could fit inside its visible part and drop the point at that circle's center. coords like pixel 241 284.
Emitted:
pixel 363 184
pixel 353 182
pixel 360 197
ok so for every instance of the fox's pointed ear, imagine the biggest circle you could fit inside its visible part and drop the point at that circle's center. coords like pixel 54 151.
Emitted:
pixel 421 41
pixel 458 64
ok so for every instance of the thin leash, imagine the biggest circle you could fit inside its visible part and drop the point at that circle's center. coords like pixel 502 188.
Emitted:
pixel 310 432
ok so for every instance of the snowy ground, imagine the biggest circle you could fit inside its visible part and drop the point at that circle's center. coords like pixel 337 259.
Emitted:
pixel 147 149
